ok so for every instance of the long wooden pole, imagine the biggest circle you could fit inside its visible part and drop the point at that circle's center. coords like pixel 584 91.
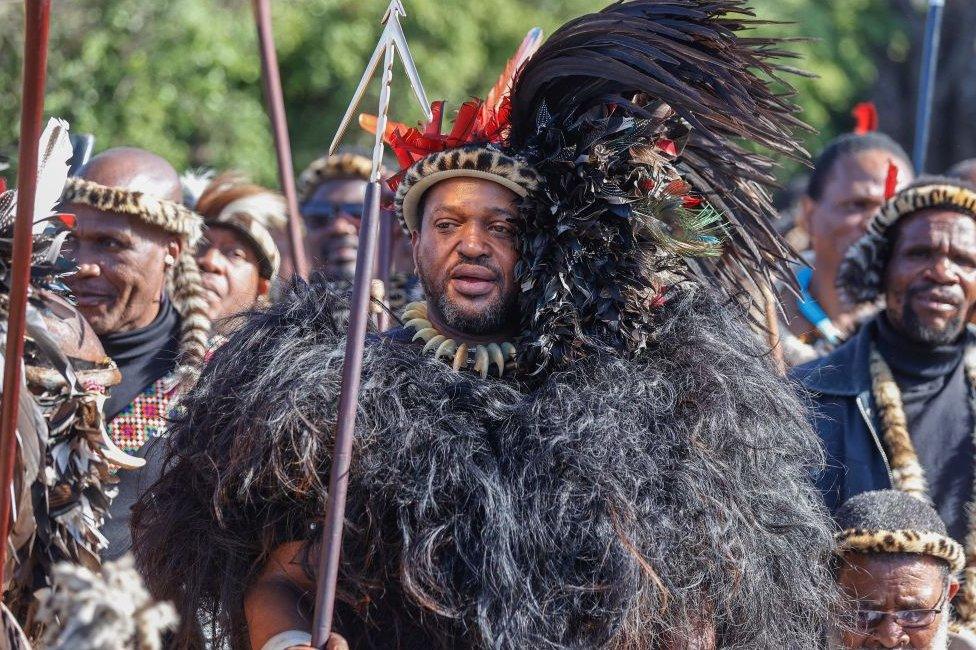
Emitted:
pixel 926 84
pixel 37 22
pixel 279 127
pixel 352 366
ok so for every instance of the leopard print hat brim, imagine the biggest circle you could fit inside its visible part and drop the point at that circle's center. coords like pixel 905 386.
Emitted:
pixel 931 543
pixel 860 278
pixel 473 161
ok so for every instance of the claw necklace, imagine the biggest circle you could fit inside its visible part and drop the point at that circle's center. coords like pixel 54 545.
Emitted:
pixel 480 357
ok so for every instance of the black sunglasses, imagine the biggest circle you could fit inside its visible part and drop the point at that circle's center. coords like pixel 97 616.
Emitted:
pixel 321 213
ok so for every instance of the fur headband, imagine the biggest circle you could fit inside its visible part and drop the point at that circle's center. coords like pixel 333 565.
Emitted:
pixel 861 274
pixel 862 540
pixel 341 166
pixel 236 217
pixel 186 286
pixel 172 217
pixel 472 161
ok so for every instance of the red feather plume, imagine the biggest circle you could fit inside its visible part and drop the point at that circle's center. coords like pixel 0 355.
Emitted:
pixel 891 180
pixel 866 116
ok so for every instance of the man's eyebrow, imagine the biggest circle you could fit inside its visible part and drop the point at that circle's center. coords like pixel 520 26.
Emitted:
pixel 910 602
pixel 445 208
pixel 504 212
pixel 96 231
pixel 456 211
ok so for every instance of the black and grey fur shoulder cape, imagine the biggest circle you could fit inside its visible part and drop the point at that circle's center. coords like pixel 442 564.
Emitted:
pixel 618 504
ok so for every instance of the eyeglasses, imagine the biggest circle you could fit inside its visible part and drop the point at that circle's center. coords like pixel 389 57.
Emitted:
pixel 321 213
pixel 868 619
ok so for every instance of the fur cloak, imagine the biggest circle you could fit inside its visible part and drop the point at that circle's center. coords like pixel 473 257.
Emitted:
pixel 614 504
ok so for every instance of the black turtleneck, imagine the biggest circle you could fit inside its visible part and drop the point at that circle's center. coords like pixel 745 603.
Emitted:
pixel 143 356
pixel 940 420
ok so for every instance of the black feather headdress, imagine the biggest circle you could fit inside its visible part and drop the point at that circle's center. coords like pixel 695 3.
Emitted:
pixel 647 123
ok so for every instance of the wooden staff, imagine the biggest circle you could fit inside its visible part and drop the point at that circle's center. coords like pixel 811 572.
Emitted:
pixel 36 24
pixel 391 41
pixel 384 263
pixel 279 127
pixel 926 83
pixel 770 305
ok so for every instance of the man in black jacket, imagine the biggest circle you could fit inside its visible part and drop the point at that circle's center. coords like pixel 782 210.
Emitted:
pixel 894 406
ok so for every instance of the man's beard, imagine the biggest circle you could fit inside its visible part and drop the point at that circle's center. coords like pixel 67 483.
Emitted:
pixel 915 329
pixel 494 318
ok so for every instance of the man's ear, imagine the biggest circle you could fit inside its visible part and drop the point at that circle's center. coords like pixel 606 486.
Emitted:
pixel 174 247
pixel 953 588
pixel 807 206
pixel 414 247
pixel 264 287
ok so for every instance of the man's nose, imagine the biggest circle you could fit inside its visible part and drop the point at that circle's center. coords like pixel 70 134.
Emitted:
pixel 890 635
pixel 944 271
pixel 211 261
pixel 88 270
pixel 473 243
pixel 344 224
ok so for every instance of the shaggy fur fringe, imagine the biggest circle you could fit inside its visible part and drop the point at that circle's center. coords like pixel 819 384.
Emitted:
pixel 619 504
pixel 195 324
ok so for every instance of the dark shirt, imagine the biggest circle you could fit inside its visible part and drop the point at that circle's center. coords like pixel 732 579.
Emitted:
pixel 143 356
pixel 936 395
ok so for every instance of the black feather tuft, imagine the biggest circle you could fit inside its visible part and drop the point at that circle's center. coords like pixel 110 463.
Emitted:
pixel 612 110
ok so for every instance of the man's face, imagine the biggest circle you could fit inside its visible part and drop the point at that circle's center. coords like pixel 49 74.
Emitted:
pixel 122 269
pixel 229 267
pixel 465 253
pixel 897 583
pixel 332 218
pixel 930 282
pixel 854 191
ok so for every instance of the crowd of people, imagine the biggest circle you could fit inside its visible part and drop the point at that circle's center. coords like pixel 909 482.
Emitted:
pixel 573 431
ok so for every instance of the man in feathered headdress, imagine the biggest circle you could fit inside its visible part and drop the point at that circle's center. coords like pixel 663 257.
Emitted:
pixel 576 441
pixel 847 186
pixel 139 286
pixel 64 465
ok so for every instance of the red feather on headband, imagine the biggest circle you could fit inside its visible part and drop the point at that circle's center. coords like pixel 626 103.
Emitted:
pixel 866 116
pixel 891 180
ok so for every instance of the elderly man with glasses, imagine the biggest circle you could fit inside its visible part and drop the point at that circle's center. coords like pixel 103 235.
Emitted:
pixel 899 569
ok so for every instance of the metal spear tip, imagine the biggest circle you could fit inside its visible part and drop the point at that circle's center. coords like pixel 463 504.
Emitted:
pixel 391 38
pixel 395 9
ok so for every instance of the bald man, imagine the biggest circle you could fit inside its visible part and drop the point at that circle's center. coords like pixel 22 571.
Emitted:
pixel 134 245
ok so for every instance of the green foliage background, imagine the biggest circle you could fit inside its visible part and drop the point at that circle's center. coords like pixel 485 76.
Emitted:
pixel 182 77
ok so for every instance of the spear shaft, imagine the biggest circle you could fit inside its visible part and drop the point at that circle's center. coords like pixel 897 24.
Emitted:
pixel 36 24
pixel 279 127
pixel 351 373
pixel 926 87
pixel 391 42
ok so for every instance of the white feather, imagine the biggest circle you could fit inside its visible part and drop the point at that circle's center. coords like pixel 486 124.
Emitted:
pixel 54 155
pixel 194 182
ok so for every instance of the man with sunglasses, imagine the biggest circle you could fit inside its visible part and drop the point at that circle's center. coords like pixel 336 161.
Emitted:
pixel 332 191
pixel 899 569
